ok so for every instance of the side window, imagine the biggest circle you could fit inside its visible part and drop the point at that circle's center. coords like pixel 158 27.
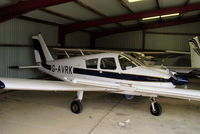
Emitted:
pixel 125 63
pixel 108 63
pixel 91 63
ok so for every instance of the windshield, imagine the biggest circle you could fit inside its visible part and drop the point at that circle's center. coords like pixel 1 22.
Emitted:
pixel 127 62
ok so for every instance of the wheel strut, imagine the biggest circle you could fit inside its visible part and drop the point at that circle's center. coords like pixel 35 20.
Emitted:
pixel 155 107
pixel 76 106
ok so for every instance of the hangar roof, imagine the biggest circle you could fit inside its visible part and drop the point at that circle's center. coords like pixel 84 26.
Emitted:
pixel 102 16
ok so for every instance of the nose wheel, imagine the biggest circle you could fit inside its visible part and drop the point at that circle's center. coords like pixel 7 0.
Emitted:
pixel 155 108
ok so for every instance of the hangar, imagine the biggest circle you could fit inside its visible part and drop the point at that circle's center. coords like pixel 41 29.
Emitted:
pixel 125 25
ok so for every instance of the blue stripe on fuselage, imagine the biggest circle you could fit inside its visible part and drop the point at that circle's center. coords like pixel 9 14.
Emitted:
pixel 119 76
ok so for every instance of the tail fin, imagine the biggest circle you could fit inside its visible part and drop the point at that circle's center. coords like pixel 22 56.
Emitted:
pixel 41 51
pixel 195 52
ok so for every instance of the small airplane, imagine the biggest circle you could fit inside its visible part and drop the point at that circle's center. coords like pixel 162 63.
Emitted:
pixel 184 63
pixel 105 72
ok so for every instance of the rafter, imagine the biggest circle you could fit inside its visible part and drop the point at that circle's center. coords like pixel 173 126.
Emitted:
pixel 60 15
pixel 182 9
pixel 89 8
pixel 20 8
pixel 127 7
pixel 149 26
pixel 158 4
pixel 37 20
pixel 186 3
pixel 67 17
pixel 158 7
pixel 93 10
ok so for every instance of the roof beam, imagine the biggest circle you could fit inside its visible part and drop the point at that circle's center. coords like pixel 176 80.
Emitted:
pixel 158 4
pixel 186 3
pixel 20 8
pixel 38 20
pixel 93 10
pixel 158 7
pixel 67 17
pixel 126 7
pixel 135 16
pixel 149 26
pixel 60 15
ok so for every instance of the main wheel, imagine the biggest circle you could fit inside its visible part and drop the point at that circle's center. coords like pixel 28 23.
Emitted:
pixel 129 97
pixel 76 107
pixel 157 109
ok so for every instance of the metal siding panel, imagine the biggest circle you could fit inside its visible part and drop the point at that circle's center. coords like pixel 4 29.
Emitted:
pixel 77 40
pixel 18 31
pixel 4 3
pixel 171 42
pixel 184 28
pixel 128 40
pixel 167 42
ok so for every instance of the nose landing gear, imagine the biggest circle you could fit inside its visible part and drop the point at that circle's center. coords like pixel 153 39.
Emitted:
pixel 155 107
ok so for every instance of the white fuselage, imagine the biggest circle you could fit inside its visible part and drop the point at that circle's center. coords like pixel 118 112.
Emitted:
pixel 75 69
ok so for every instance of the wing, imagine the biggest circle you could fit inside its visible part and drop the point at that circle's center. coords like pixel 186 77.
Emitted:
pixel 142 90
pixel 47 85
pixel 169 92
pixel 139 90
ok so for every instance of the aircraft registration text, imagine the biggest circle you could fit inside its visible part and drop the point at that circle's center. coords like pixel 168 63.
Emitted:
pixel 62 69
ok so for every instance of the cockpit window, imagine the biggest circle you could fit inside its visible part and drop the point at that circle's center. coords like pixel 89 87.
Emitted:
pixel 91 63
pixel 125 62
pixel 108 63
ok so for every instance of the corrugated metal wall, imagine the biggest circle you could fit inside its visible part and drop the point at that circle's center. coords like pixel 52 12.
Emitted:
pixel 134 40
pixel 171 42
pixel 128 40
pixel 18 31
pixel 167 42
pixel 77 40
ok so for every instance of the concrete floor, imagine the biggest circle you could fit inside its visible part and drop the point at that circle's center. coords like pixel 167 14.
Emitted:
pixel 28 112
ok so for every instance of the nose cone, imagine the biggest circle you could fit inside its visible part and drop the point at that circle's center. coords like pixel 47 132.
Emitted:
pixel 2 85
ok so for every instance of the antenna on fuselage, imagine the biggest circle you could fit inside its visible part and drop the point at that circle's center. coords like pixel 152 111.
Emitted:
pixel 81 52
pixel 67 54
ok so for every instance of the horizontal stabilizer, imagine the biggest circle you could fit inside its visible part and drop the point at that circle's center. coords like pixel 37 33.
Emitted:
pixel 23 67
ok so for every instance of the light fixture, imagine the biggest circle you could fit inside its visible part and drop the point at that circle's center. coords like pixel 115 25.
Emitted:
pixel 169 15
pixel 162 16
pixel 150 18
pixel 134 0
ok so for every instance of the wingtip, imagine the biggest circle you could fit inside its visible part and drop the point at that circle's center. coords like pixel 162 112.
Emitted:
pixel 2 85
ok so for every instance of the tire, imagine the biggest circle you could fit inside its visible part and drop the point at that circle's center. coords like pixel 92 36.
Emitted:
pixel 76 107
pixel 158 109
pixel 129 97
